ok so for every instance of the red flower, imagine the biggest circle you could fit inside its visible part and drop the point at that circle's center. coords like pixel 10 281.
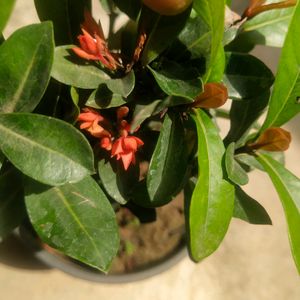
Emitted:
pixel 90 122
pixel 93 45
pixel 124 148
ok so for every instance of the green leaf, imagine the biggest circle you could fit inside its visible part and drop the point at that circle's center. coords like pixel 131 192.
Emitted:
pixel 211 206
pixel 103 97
pixel 161 31
pixel 66 17
pixel 72 70
pixel 116 181
pixel 12 210
pixel 288 189
pixel 268 28
pixel 168 164
pixel 249 210
pixel 6 9
pixel 2 159
pixel 47 149
pixel 77 219
pixel 243 116
pixel 130 7
pixel 284 99
pixel 26 60
pixel 246 76
pixel 176 80
pixel 234 171
pixel 213 14
pixel 122 86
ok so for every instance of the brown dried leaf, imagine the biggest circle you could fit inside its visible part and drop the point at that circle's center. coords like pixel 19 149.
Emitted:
pixel 214 95
pixel 273 139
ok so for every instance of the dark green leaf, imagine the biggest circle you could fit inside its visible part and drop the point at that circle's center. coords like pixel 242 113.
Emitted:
pixel 213 14
pixel 6 9
pixel 211 206
pixel 268 28
pixel 288 189
pixel 143 112
pixel 117 182
pixel 122 86
pixel 46 149
pixel 176 80
pixel 284 99
pixel 2 159
pixel 246 76
pixel 12 210
pixel 234 171
pixel 243 115
pixel 77 219
pixel 26 60
pixel 129 7
pixel 249 210
pixel 168 164
pixel 70 69
pixel 66 17
pixel 161 31
pixel 104 98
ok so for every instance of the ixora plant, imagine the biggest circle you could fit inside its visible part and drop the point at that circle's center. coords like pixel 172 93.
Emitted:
pixel 81 113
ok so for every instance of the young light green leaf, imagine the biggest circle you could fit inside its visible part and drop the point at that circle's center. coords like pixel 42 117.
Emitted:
pixel 268 28
pixel 288 189
pixel 34 144
pixel 176 80
pixel 213 13
pixel 161 31
pixel 211 207
pixel 284 99
pixel 76 214
pixel 246 76
pixel 234 171
pixel 66 17
pixel 71 70
pixel 249 210
pixel 26 60
pixel 6 9
pixel 12 209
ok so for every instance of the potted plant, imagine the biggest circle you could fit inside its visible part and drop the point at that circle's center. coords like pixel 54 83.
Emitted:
pixel 93 126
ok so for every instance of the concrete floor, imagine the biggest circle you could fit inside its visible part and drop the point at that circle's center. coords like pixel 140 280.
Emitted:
pixel 253 262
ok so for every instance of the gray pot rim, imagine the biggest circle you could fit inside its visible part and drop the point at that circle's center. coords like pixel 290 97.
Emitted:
pixel 88 273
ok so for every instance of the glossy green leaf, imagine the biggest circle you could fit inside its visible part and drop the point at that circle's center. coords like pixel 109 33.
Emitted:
pixel 46 149
pixel 129 7
pixel 2 159
pixel 211 206
pixel 284 99
pixel 161 31
pixel 246 76
pixel 122 86
pixel 249 210
pixel 168 163
pixel 267 28
pixel 71 70
pixel 26 60
pixel 213 13
pixel 66 17
pixel 234 171
pixel 12 210
pixel 176 80
pixel 5 11
pixel 116 181
pixel 77 219
pixel 243 115
pixel 288 188
pixel 103 97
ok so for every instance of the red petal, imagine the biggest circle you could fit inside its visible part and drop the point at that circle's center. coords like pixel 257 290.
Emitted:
pixel 127 159
pixel 81 53
pixel 130 144
pixel 117 147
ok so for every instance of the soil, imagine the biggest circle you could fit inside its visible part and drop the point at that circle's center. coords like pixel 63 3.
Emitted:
pixel 146 244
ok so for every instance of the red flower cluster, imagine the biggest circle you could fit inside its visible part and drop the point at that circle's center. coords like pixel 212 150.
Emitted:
pixel 93 45
pixel 124 147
